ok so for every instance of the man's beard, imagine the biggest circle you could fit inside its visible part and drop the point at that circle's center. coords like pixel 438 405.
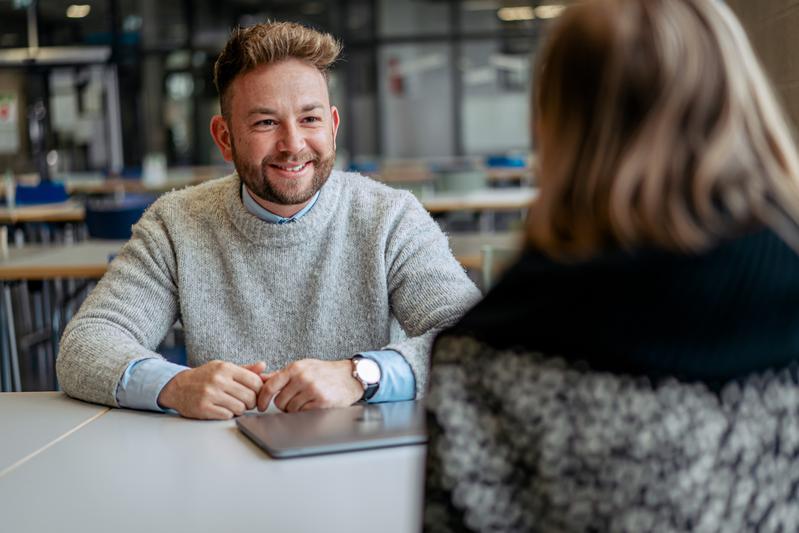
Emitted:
pixel 257 180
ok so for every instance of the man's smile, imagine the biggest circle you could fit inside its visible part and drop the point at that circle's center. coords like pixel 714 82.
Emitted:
pixel 293 168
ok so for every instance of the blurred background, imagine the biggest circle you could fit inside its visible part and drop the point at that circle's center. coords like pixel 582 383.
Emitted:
pixel 104 104
pixel 113 84
pixel 107 86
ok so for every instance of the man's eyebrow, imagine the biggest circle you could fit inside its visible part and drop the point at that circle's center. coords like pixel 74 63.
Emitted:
pixel 262 111
pixel 269 111
pixel 311 107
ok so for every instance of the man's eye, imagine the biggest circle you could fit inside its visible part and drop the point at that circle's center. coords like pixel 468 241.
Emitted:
pixel 265 122
pixel 311 119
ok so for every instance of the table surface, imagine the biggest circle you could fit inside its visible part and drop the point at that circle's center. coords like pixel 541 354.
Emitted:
pixel 176 178
pixel 89 259
pixel 509 199
pixel 522 174
pixel 29 423
pixel 136 471
pixel 86 259
pixel 59 212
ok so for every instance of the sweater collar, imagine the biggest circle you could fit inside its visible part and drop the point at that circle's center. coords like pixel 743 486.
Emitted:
pixel 267 216
pixel 300 230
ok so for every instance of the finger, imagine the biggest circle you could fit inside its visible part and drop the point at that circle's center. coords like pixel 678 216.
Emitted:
pixel 264 397
pixel 292 389
pixel 244 394
pixel 258 367
pixel 271 387
pixel 313 404
pixel 232 404
pixel 298 401
pixel 209 412
pixel 247 378
pixel 216 412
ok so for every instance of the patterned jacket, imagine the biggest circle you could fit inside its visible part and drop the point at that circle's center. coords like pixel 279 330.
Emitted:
pixel 524 442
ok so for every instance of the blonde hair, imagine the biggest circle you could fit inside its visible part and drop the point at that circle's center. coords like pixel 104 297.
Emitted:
pixel 271 42
pixel 657 127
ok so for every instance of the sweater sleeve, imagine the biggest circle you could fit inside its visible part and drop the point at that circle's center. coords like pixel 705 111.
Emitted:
pixel 428 289
pixel 124 318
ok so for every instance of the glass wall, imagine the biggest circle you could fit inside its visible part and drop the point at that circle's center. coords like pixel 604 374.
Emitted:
pixel 416 100
pixel 494 108
pixel 418 78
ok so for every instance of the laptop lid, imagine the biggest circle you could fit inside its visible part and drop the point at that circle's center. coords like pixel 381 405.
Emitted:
pixel 321 431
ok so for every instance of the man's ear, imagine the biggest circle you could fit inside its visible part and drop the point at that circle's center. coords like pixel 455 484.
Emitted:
pixel 336 118
pixel 221 134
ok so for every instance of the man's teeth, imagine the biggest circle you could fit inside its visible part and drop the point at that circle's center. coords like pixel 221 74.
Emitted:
pixel 293 169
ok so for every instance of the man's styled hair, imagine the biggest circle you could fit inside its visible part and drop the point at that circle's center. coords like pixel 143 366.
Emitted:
pixel 657 127
pixel 271 42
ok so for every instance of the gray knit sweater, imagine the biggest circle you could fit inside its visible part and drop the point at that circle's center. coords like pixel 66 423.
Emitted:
pixel 326 286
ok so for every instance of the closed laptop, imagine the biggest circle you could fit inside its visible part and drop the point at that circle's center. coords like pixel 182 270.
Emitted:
pixel 321 431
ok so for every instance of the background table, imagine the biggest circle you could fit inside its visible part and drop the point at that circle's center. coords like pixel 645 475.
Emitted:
pixel 61 212
pixel 510 199
pixel 469 248
pixel 84 260
pixel 130 471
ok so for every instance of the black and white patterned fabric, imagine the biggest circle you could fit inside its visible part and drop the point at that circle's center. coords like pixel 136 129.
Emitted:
pixel 523 442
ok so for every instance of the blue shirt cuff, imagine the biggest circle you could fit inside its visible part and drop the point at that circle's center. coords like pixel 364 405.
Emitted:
pixel 397 382
pixel 142 383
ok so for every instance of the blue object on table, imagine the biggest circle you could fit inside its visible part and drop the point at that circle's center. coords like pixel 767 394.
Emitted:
pixel 113 219
pixel 43 193
pixel 364 167
pixel 505 161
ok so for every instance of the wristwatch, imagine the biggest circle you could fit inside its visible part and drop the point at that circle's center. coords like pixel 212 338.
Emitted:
pixel 367 371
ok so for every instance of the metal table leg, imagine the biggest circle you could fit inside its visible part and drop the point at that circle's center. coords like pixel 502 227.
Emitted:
pixel 16 384
pixel 5 359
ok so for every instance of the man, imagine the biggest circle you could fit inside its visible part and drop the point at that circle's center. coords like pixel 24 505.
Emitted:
pixel 286 275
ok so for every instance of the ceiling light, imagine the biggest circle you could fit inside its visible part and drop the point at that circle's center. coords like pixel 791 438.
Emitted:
pixel 549 12
pixel 509 14
pixel 78 11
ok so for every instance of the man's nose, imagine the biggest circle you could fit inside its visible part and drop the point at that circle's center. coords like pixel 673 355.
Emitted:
pixel 291 139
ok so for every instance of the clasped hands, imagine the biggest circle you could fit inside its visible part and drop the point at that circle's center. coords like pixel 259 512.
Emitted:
pixel 219 390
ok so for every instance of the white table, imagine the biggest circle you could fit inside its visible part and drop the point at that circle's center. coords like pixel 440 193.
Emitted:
pixel 486 203
pixel 510 199
pixel 32 421
pixel 130 471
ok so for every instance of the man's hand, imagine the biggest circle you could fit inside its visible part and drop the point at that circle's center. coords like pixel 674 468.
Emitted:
pixel 311 384
pixel 213 391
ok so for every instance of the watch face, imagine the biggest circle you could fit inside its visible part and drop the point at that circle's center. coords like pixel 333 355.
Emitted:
pixel 368 370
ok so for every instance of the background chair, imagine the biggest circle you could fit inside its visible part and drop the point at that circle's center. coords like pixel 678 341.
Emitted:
pixel 43 193
pixel 113 218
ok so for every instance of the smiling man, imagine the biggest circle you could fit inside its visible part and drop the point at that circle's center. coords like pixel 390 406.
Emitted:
pixel 287 276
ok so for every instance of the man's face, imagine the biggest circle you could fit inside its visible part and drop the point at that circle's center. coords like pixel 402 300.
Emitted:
pixel 282 131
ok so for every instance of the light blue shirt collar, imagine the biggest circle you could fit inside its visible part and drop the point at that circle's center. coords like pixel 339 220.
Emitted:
pixel 267 216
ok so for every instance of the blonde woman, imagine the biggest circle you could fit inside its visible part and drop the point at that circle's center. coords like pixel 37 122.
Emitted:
pixel 635 371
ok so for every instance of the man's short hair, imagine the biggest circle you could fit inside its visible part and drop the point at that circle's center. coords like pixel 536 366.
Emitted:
pixel 271 42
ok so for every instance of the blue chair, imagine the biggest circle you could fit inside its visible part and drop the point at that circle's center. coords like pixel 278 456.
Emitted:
pixel 47 192
pixel 113 219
